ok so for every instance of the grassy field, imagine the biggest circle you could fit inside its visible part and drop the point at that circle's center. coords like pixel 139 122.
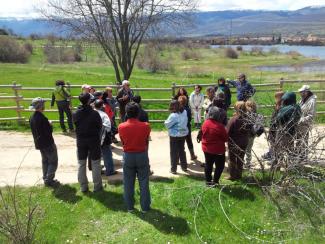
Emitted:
pixel 210 65
pixel 183 211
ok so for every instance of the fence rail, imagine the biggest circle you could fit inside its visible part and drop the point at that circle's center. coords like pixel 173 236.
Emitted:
pixel 18 97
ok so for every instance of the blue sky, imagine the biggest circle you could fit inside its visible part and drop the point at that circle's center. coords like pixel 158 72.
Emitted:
pixel 24 8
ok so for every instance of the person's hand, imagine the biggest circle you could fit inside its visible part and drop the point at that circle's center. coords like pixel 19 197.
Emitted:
pixel 125 97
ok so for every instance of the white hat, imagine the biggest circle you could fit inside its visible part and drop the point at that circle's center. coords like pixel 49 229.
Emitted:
pixel 37 103
pixel 304 88
pixel 125 82
pixel 85 86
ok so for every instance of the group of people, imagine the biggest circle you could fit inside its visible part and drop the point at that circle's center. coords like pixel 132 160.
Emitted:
pixel 95 128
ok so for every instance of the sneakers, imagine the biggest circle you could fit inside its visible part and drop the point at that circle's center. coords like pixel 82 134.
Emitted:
pixel 173 172
pixel 193 157
pixel 53 183
pixel 211 184
pixel 113 173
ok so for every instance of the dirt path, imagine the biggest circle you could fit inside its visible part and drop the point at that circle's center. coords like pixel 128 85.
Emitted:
pixel 18 148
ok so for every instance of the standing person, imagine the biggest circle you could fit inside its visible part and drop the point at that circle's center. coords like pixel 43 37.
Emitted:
pixel 176 124
pixel 43 139
pixel 143 115
pixel 308 112
pixel 244 88
pixel 287 120
pixel 181 92
pixel 135 139
pixel 222 87
pixel 209 99
pixel 219 102
pixel 196 103
pixel 113 104
pixel 184 104
pixel 124 95
pixel 256 122
pixel 88 127
pixel 214 137
pixel 105 139
pixel 273 126
pixel 238 130
pixel 62 97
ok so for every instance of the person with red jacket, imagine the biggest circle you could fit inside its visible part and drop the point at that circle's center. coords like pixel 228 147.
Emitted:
pixel 214 137
pixel 134 135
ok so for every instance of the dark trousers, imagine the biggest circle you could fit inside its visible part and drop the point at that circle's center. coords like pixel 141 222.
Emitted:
pixel 49 163
pixel 188 139
pixel 210 160
pixel 177 152
pixel 88 148
pixel 136 165
pixel 64 107
pixel 236 161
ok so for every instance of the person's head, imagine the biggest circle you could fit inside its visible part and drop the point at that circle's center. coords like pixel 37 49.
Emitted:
pixel 59 83
pixel 132 110
pixel 109 92
pixel 182 101
pixel 38 104
pixel 289 98
pixel 174 106
pixel 221 81
pixel 210 92
pixel 241 77
pixel 98 95
pixel 218 101
pixel 182 92
pixel 126 84
pixel 216 114
pixel 92 90
pixel 240 107
pixel 99 104
pixel 136 99
pixel 85 88
pixel 84 98
pixel 197 89
pixel 250 106
pixel 304 91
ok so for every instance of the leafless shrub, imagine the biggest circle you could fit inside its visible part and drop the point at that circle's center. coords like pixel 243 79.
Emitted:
pixel 191 54
pixel 62 54
pixel 11 51
pixel 231 53
pixel 239 48
pixel 29 47
pixel 257 51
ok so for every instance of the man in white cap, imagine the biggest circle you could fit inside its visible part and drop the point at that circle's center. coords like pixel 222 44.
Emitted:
pixel 308 112
pixel 43 139
pixel 124 96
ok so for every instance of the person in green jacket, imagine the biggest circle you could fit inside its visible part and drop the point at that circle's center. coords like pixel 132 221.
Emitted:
pixel 61 95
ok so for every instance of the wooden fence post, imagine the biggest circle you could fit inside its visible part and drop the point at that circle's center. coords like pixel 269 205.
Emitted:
pixel 281 84
pixel 17 98
pixel 173 90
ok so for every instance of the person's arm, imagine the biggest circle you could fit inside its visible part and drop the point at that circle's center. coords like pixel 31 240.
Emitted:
pixel 53 99
pixel 171 121
pixel 119 96
pixel 233 83
pixel 107 122
pixel 201 101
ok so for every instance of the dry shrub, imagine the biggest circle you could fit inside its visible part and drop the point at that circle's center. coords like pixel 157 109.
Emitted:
pixel 274 50
pixel 231 53
pixel 294 54
pixel 60 54
pixel 12 52
pixel 257 51
pixel 29 47
pixel 239 48
pixel 191 54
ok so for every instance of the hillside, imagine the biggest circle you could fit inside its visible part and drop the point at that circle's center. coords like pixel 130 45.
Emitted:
pixel 309 20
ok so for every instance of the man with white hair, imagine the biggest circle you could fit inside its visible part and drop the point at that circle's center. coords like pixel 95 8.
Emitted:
pixel 124 96
pixel 43 139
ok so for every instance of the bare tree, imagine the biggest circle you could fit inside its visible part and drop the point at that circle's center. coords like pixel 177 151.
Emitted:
pixel 119 26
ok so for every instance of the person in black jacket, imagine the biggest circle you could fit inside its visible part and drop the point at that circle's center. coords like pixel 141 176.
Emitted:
pixel 43 139
pixel 88 128
pixel 124 96
pixel 143 115
pixel 222 87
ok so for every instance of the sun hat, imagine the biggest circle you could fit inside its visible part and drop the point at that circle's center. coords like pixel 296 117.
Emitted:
pixel 304 88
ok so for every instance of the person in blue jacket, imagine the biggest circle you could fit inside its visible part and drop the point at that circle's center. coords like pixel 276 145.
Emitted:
pixel 244 88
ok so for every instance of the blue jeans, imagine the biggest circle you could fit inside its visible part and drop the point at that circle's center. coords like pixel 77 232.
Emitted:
pixel 108 159
pixel 49 163
pixel 136 164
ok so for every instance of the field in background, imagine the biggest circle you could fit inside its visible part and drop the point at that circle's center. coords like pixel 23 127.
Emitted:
pixel 205 67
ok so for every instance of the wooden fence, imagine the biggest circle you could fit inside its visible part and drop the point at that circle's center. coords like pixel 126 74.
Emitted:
pixel 18 98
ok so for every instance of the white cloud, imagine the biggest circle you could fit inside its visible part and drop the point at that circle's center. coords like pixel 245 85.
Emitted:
pixel 26 8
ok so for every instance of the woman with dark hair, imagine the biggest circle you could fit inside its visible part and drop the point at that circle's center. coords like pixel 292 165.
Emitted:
pixel 181 92
pixel 214 137
pixel 61 95
pixel 183 103
pixel 176 124
pixel 222 87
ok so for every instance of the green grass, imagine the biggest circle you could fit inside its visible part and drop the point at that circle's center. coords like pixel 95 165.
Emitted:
pixel 97 70
pixel 183 210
